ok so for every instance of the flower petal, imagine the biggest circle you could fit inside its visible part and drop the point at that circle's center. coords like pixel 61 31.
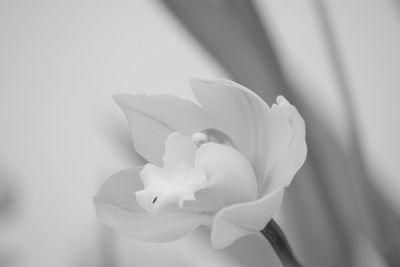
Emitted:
pixel 152 118
pixel 242 219
pixel 239 113
pixel 290 157
pixel 179 152
pixel 117 207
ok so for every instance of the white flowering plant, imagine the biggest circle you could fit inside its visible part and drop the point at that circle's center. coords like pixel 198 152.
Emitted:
pixel 223 162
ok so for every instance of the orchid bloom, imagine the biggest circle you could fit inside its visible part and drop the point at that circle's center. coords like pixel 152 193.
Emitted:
pixel 223 163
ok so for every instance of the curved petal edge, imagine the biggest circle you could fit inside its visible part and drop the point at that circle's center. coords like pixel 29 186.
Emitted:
pixel 236 221
pixel 294 156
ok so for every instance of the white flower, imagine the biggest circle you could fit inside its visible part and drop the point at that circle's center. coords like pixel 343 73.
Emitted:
pixel 224 163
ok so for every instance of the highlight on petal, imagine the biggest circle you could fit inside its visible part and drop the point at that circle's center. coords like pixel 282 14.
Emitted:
pixel 116 206
pixel 290 156
pixel 239 113
pixel 236 221
pixel 152 118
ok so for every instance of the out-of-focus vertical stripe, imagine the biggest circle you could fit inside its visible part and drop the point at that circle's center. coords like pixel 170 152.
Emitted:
pixel 377 217
pixel 232 32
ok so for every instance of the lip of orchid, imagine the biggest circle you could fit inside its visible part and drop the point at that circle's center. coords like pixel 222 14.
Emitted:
pixel 164 187
pixel 178 183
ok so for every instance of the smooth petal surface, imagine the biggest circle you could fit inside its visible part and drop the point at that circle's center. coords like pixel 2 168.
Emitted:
pixel 238 112
pixel 291 157
pixel 230 177
pixel 152 118
pixel 238 220
pixel 117 207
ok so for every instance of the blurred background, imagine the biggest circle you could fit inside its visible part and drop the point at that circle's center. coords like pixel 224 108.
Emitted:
pixel 61 135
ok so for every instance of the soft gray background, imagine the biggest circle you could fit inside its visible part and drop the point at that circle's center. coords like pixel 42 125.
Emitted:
pixel 60 63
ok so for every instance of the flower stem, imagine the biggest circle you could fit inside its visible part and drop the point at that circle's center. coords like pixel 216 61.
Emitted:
pixel 279 242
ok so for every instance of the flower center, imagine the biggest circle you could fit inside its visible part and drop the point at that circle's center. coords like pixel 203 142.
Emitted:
pixel 197 164
pixel 212 135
